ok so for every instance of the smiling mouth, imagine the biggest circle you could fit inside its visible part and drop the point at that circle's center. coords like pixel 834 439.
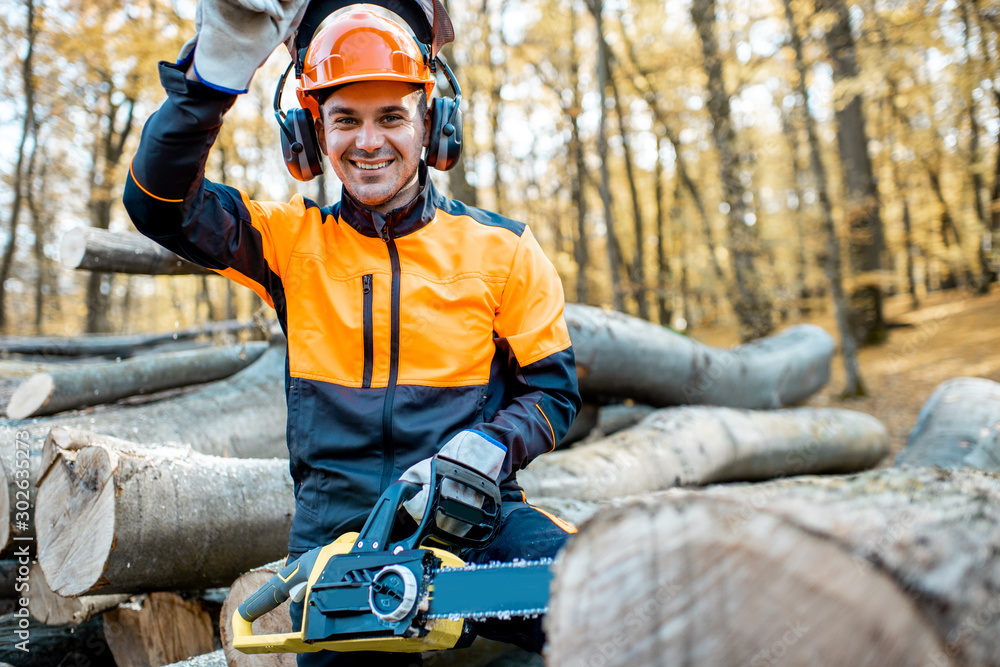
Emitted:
pixel 371 167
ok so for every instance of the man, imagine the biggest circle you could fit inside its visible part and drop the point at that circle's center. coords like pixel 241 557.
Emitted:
pixel 415 324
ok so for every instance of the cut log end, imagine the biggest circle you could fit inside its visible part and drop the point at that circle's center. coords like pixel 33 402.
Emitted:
pixel 158 629
pixel 275 622
pixel 73 248
pixel 51 609
pixel 30 395
pixel 75 519
pixel 701 591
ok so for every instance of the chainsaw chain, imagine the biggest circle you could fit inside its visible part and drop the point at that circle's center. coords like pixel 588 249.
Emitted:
pixel 501 614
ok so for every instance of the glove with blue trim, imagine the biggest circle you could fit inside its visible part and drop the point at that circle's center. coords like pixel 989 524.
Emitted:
pixel 235 37
pixel 470 447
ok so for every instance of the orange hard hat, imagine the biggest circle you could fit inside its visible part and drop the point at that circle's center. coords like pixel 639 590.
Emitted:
pixel 360 44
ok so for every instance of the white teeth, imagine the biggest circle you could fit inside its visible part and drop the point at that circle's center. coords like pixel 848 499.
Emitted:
pixel 371 167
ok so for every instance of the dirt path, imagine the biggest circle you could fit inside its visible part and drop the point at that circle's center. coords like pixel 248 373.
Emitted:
pixel 952 334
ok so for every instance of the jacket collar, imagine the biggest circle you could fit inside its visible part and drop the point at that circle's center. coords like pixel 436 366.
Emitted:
pixel 398 222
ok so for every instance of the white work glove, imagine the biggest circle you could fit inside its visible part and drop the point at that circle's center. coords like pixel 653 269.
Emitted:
pixel 235 37
pixel 469 447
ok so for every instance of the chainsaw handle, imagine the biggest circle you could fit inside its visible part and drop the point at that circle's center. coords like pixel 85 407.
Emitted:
pixel 279 587
pixel 374 536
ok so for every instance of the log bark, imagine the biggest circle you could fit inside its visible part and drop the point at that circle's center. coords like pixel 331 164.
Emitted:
pixel 242 416
pixel 114 345
pixel 94 249
pixel 893 566
pixel 158 629
pixel 51 609
pixel 958 427
pixel 127 518
pixel 700 445
pixel 82 386
pixel 624 357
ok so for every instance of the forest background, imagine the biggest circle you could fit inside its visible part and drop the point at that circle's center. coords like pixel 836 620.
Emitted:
pixel 698 163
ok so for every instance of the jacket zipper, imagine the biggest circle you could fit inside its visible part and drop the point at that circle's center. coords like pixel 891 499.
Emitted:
pixel 366 288
pixel 388 450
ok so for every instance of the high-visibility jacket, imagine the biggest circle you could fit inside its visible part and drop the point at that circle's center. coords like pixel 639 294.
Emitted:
pixel 402 330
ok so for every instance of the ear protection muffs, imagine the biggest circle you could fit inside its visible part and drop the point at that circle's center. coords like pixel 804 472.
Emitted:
pixel 299 143
pixel 445 144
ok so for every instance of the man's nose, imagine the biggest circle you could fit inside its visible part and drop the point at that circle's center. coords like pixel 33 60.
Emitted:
pixel 369 138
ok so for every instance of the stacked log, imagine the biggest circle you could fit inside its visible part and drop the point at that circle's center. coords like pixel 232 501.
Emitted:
pixel 81 386
pixel 242 416
pixel 893 566
pixel 112 345
pixel 90 249
pixel 958 427
pixel 626 357
pixel 122 518
pixel 46 607
pixel 158 629
pixel 702 445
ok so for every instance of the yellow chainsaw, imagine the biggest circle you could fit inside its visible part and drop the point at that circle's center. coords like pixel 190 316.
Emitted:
pixel 369 591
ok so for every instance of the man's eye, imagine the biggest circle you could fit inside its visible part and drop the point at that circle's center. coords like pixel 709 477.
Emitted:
pixel 392 119
pixel 344 121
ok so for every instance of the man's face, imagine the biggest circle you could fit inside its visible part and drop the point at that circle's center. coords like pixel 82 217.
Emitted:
pixel 373 132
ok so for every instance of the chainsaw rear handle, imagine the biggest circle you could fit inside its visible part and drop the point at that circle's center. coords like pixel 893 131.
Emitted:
pixel 292 579
pixel 279 587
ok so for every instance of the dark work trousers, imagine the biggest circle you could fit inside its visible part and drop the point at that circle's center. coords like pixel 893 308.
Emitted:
pixel 525 532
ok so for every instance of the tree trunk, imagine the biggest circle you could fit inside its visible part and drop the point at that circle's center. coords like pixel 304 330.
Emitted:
pixel 128 518
pixel 108 151
pixel 615 260
pixel 111 345
pixel 832 265
pixel 911 248
pixel 102 250
pixel 624 357
pixel 51 609
pixel 41 223
pixel 637 274
pixel 22 181
pixel 888 567
pixel 581 252
pixel 972 76
pixel 158 629
pixel 751 305
pixel 700 445
pixel 862 206
pixel 664 279
pixel 645 87
pixel 957 427
pixel 49 393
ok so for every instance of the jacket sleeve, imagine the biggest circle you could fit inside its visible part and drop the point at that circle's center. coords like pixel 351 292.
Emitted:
pixel 530 324
pixel 171 202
